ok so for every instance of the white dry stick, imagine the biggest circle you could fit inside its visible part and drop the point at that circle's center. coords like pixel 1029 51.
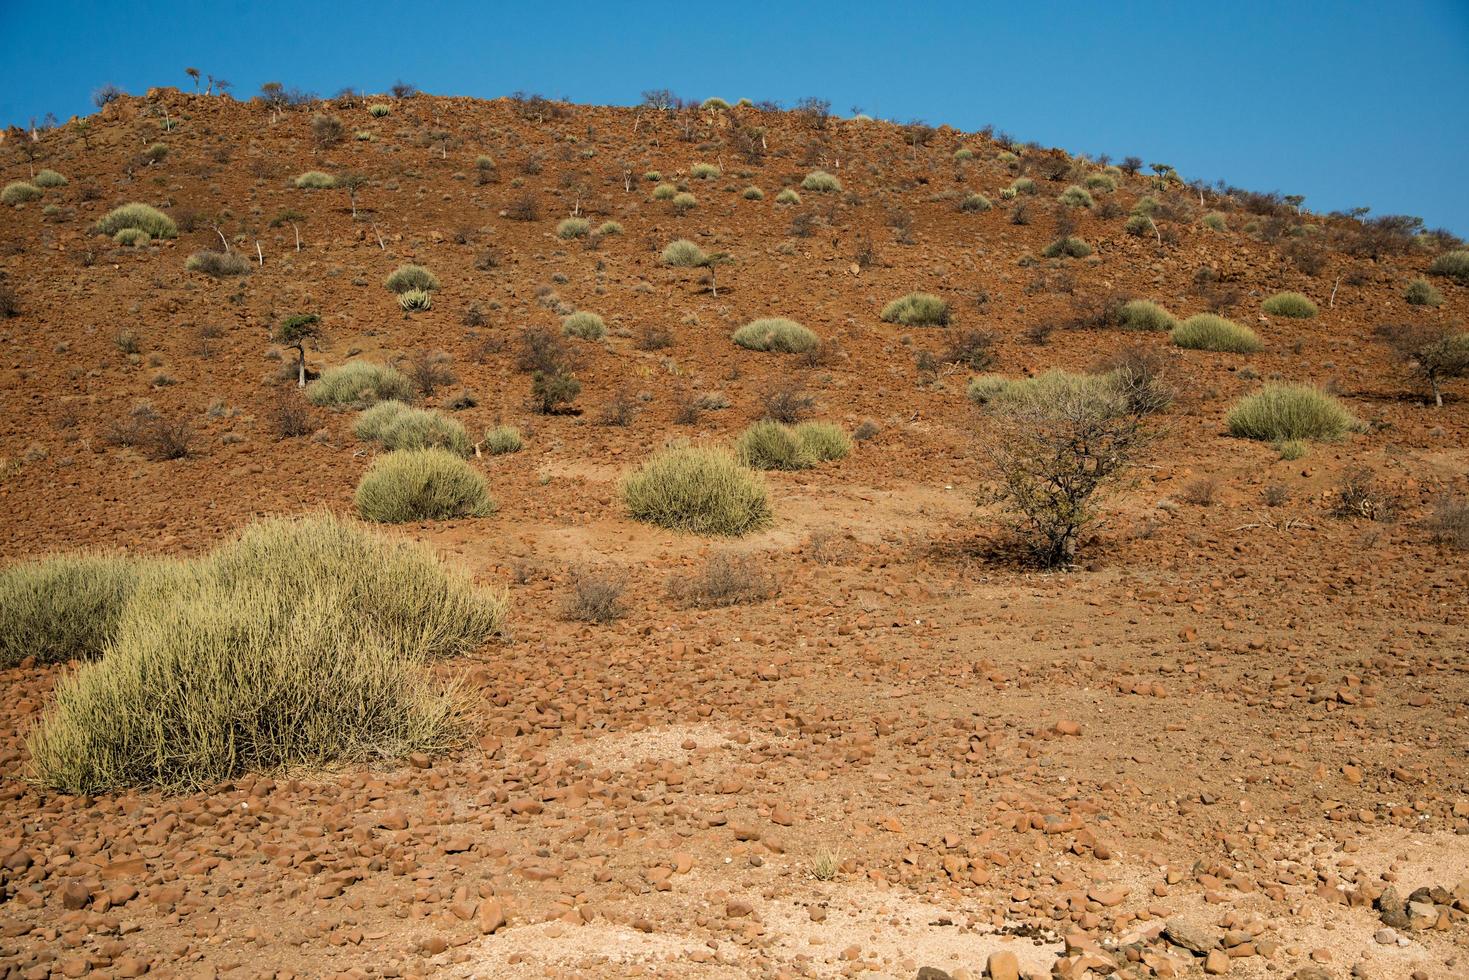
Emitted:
pixel 258 253
pixel 222 239
pixel 298 235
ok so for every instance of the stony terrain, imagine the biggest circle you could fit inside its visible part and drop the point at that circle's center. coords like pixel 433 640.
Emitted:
pixel 1231 741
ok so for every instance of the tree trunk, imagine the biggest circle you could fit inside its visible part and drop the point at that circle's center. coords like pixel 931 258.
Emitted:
pixel 301 367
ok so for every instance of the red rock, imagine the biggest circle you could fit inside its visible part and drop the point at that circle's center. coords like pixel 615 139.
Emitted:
pixel 1003 965
pixel 491 916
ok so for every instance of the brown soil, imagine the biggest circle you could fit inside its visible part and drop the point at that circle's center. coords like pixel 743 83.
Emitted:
pixel 1246 718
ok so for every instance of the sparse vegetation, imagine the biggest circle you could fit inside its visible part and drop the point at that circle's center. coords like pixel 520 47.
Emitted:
pixel 973 203
pixel 422 485
pixel 726 579
pixel 1421 292
pixel 315 180
pixel 596 597
pixel 359 383
pixel 776 334
pixel 822 182
pixel 917 310
pixel 217 264
pixel 585 325
pixel 1448 523
pixel 1453 265
pixel 787 196
pixel 1292 305
pixel 550 390
pixel 1280 412
pixel 410 277
pixel 699 489
pixel 502 439
pixel 1206 331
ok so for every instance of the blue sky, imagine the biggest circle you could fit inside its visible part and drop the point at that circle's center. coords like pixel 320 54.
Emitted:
pixel 1348 103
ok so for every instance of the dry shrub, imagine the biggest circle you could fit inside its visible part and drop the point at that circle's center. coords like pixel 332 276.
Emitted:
pixel 290 419
pixel 1449 522
pixel 1359 495
pixel 786 401
pixel 430 371
pixel 726 579
pixel 1201 492
pixel 596 597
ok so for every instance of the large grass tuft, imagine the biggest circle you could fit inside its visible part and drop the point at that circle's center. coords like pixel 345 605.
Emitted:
pixel 776 334
pixel 768 445
pixel 1454 265
pixel 1206 331
pixel 700 489
pixel 917 310
pixel 140 216
pixel 359 383
pixel 65 607
pixel 1281 412
pixel 1293 305
pixel 410 277
pixel 422 485
pixel 1143 314
pixel 398 426
pixel 20 192
pixel 683 254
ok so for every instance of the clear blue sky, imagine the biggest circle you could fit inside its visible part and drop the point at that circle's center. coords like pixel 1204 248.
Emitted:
pixel 1350 103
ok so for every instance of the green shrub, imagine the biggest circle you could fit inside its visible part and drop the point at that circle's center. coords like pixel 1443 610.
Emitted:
pixel 132 237
pixel 820 180
pixel 502 439
pixel 315 180
pixel 1421 292
pixel 48 178
pixel 824 440
pixel 217 264
pixel 398 426
pixel 552 389
pixel 301 643
pixel 1044 391
pixel 684 201
pixel 917 310
pixel 1023 185
pixel 64 607
pixel 407 277
pixel 20 192
pixel 1142 314
pixel 768 445
pixel 1279 412
pixel 1101 183
pixel 139 216
pixel 1214 221
pixel 753 194
pixel 422 485
pixel 776 334
pixel 1293 305
pixel 573 228
pixel 416 300
pixel 377 110
pixel 1145 205
pixel 609 228
pixel 714 102
pixel 787 196
pixel 963 153
pixel 1139 225
pixel 700 489
pixel 1068 247
pixel 664 192
pixel 975 202
pixel 1291 449
pixel 359 383
pixel 1205 331
pixel 1454 264
pixel 1076 196
pixel 985 388
pixel 704 171
pixel 584 324
pixel 683 254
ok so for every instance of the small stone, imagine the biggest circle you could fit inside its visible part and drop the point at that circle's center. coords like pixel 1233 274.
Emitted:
pixel 1387 937
pixel 1217 962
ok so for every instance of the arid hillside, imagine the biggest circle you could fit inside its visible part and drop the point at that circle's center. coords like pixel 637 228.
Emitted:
pixel 872 735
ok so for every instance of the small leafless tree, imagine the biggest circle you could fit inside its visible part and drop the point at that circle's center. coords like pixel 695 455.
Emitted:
pixel 1432 354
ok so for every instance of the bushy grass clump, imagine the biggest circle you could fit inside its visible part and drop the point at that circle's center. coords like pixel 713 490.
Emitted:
pixel 315 180
pixel 917 310
pixel 963 153
pixel 975 203
pixel 1023 185
pixel 1293 305
pixel 753 194
pixel 407 277
pixel 422 485
pixel 824 440
pixel 1068 247
pixel 787 196
pixel 64 607
pixel 301 643
pixel 699 489
pixel 1421 292
pixel 1282 412
pixel 609 228
pixel 399 426
pixel 704 171
pixel 143 217
pixel 683 254
pixel 1076 196
pixel 217 264
pixel 768 445
pixel 684 201
pixel 1044 391
pixel 502 439
pixel 1214 221
pixel 20 192
pixel 359 383
pixel 132 237
pixel 573 228
pixel 1206 331
pixel 776 334
pixel 1143 314
pixel 584 324
pixel 821 181
pixel 664 192
pixel 1454 265
pixel 48 178
pixel 1101 183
